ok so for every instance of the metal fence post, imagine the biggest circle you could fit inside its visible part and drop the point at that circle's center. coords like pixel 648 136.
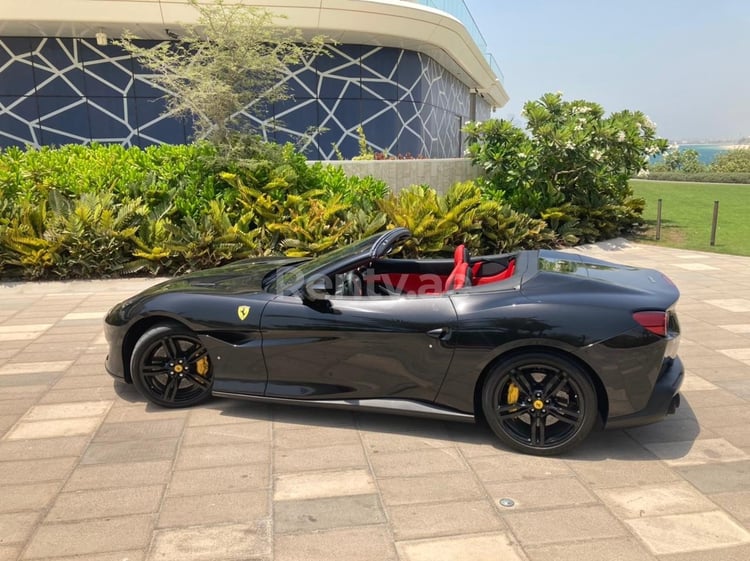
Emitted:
pixel 658 220
pixel 714 222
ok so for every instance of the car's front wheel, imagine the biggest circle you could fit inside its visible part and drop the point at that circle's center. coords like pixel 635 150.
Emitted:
pixel 171 367
pixel 539 403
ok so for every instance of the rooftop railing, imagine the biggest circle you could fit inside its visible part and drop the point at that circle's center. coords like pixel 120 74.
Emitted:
pixel 458 9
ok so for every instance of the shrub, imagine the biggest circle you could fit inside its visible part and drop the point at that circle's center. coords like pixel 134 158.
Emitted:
pixel 573 157
pixel 732 161
pixel 704 177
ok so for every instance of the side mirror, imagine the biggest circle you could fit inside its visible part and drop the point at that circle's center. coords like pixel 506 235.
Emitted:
pixel 315 291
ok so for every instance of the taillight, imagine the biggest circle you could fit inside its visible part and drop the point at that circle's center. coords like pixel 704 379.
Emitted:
pixel 655 322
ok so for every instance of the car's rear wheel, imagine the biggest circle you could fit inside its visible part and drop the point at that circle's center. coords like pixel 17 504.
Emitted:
pixel 171 367
pixel 539 403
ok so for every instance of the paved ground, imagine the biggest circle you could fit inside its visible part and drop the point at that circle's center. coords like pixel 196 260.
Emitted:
pixel 89 471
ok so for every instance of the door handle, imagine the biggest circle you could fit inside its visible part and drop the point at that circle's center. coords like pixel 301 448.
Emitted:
pixel 441 333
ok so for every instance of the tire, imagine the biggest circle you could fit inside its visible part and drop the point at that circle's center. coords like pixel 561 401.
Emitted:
pixel 171 368
pixel 539 403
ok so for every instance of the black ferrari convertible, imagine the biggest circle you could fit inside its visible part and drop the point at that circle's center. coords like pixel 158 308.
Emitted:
pixel 541 344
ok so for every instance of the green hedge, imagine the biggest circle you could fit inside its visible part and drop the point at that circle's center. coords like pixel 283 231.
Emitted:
pixel 100 211
pixel 704 177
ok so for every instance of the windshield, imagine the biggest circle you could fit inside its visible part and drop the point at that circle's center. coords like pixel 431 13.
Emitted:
pixel 295 275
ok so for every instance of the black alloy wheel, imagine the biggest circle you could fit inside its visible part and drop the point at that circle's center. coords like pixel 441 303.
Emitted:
pixel 539 403
pixel 171 367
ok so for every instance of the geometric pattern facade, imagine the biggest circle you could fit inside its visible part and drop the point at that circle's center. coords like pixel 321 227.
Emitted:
pixel 57 91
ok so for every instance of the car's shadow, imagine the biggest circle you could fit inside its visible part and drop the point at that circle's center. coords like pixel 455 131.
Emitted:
pixel 635 444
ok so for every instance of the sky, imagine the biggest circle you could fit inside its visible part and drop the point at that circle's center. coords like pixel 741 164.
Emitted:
pixel 684 63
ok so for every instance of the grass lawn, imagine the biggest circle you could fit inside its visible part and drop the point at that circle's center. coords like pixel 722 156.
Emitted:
pixel 687 210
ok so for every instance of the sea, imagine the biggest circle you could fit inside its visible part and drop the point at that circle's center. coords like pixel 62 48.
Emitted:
pixel 706 152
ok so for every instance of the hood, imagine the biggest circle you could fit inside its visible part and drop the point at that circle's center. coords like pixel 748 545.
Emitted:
pixel 241 277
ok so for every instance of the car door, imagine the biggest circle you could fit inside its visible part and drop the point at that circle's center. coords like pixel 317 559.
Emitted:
pixel 357 347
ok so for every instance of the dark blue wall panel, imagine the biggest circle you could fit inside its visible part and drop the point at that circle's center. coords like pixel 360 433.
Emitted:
pixel 61 90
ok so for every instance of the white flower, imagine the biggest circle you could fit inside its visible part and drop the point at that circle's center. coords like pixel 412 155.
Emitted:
pixel 596 154
pixel 578 128
pixel 651 150
pixel 521 155
pixel 621 136
pixel 649 124
pixel 558 92
pixel 643 173
pixel 569 145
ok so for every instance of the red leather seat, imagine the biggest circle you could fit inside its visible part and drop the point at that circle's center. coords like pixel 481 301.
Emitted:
pixel 461 274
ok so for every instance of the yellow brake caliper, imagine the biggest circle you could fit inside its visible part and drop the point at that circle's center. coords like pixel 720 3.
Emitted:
pixel 201 366
pixel 513 393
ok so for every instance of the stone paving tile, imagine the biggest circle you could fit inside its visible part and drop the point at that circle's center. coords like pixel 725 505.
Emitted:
pixel 689 532
pixel 227 434
pixel 319 458
pixel 127 413
pixel 7 421
pixel 130 451
pixel 228 411
pixel 16 404
pixel 654 500
pixel 709 450
pixel 616 549
pixel 739 553
pixel 219 480
pixel 67 410
pixel 52 429
pixel 98 393
pixel 27 497
pixel 369 543
pixel 389 442
pixel 740 388
pixel 193 457
pixel 34 367
pixel 212 543
pixel 509 466
pixel 313 485
pixel 91 536
pixel 714 398
pixel 130 555
pixel 737 435
pixel 83 382
pixel 326 513
pixel 117 432
pixel 105 476
pixel 101 503
pixel 672 429
pixel 33 471
pixel 399 464
pixel 9 552
pixel 429 489
pixel 225 508
pixel 541 493
pixel 560 525
pixel 322 436
pixel 618 473
pixel 718 478
pixel 488 547
pixel 15 527
pixel 441 519
pixel 737 504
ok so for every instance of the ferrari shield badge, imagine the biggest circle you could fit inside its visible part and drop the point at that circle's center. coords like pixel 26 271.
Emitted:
pixel 243 312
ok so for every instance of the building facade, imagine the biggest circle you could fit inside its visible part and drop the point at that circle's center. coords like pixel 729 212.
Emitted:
pixel 409 74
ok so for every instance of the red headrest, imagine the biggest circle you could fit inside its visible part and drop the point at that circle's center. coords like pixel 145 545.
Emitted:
pixel 460 255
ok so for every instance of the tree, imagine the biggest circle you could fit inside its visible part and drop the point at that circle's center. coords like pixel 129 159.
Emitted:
pixel 572 163
pixel 685 161
pixel 234 57
pixel 732 161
